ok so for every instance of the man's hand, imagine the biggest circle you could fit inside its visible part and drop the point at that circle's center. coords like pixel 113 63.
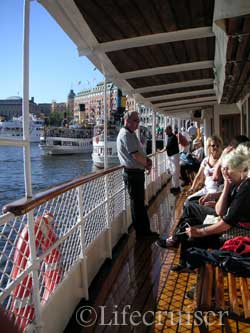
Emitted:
pixel 149 164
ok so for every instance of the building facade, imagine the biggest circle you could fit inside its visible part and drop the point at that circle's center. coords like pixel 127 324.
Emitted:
pixel 89 103
pixel 145 114
pixel 12 107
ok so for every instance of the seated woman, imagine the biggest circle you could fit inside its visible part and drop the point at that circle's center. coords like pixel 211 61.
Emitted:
pixel 236 140
pixel 205 173
pixel 232 206
pixel 191 162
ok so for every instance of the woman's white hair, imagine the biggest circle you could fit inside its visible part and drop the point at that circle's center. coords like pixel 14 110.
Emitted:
pixel 237 160
pixel 244 148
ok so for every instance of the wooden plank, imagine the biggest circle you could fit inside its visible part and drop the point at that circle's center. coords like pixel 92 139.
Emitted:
pixel 206 293
pixel 219 289
pixel 245 296
pixel 234 305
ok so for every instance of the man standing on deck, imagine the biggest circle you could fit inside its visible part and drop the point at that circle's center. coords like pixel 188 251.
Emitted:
pixel 172 149
pixel 192 131
pixel 134 161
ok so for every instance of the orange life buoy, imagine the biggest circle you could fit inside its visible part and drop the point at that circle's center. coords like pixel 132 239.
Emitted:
pixel 22 305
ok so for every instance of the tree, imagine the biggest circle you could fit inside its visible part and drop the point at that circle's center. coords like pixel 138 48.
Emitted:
pixel 56 118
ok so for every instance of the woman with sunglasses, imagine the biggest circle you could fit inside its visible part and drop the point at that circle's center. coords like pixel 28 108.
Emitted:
pixel 204 176
pixel 232 206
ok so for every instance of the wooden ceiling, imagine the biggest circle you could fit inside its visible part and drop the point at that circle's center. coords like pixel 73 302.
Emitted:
pixel 160 51
pixel 237 83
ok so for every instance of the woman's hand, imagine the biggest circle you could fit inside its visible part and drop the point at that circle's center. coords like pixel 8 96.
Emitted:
pixel 191 190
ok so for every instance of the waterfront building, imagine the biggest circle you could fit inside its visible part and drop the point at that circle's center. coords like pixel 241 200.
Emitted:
pixel 12 107
pixel 145 114
pixel 44 109
pixel 71 101
pixel 89 106
pixel 58 107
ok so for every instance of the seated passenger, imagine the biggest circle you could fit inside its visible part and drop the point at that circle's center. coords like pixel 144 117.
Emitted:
pixel 232 145
pixel 232 206
pixel 191 162
pixel 204 176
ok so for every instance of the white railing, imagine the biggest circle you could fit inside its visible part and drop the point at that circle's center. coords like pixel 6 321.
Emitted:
pixel 47 270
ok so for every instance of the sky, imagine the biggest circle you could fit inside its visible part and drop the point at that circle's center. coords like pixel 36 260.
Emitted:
pixel 55 66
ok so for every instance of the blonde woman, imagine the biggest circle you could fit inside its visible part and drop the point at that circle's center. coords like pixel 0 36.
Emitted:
pixel 204 176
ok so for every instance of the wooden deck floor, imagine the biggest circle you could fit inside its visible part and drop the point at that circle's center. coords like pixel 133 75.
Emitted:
pixel 137 292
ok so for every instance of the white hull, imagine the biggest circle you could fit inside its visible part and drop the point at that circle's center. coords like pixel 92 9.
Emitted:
pixel 64 141
pixel 14 129
pixel 98 153
pixel 98 160
pixel 63 150
pixel 33 137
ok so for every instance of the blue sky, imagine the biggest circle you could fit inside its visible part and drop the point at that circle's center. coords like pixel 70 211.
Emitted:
pixel 55 66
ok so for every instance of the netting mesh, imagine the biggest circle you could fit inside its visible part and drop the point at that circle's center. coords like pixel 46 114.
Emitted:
pixel 63 227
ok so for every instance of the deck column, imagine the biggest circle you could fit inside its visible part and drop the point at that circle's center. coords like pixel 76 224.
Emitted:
pixel 248 117
pixel 84 268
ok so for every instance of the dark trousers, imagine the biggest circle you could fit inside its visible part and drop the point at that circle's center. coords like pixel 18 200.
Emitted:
pixel 134 181
pixel 194 215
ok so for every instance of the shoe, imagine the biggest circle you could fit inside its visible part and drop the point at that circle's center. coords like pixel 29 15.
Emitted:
pixel 175 190
pixel 181 269
pixel 166 243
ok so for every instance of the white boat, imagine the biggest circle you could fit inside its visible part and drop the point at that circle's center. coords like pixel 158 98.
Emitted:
pixel 14 128
pixel 98 146
pixel 66 141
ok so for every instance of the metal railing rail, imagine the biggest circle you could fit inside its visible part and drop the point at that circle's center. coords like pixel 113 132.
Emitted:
pixel 82 209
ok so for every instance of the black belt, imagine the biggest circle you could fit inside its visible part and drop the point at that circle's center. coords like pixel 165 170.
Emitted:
pixel 133 170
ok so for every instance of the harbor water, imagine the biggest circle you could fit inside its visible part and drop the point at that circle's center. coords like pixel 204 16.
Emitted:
pixel 47 170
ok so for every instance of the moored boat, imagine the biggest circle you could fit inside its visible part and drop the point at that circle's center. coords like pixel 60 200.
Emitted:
pixel 14 128
pixel 98 146
pixel 62 141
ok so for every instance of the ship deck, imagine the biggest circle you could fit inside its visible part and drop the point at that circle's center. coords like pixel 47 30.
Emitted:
pixel 136 290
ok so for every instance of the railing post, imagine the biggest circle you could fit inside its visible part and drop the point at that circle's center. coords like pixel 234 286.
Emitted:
pixel 108 228
pixel 124 211
pixel 35 279
pixel 82 236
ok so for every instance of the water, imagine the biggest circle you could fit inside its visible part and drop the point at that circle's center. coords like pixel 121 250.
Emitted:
pixel 46 171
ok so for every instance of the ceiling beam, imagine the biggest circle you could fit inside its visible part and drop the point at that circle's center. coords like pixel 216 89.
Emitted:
pixel 186 101
pixel 190 66
pixel 177 85
pixel 187 106
pixel 181 95
pixel 147 40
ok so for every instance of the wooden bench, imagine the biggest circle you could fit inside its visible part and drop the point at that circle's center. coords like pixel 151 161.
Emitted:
pixel 222 292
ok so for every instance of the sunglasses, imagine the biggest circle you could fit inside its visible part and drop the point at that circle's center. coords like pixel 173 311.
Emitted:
pixel 214 146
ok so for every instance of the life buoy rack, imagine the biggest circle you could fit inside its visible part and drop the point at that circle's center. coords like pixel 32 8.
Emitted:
pixel 22 305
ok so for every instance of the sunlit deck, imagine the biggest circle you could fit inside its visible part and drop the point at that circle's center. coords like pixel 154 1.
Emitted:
pixel 137 292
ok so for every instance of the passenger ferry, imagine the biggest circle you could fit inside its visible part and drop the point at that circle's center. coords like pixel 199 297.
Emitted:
pixel 66 141
pixel 14 128
pixel 112 132
pixel 69 259
pixel 98 146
